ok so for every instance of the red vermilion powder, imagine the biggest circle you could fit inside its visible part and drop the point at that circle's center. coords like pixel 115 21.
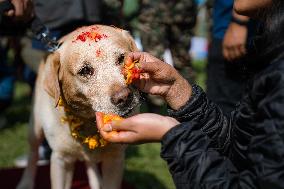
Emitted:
pixel 98 52
pixel 91 35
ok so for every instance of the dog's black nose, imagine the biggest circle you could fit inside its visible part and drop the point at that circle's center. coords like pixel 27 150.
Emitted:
pixel 121 97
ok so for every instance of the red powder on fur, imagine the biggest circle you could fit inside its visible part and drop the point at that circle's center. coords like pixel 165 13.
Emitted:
pixel 98 52
pixel 82 37
pixel 91 35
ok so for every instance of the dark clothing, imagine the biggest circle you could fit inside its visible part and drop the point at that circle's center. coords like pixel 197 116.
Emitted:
pixel 55 14
pixel 168 24
pixel 225 80
pixel 62 17
pixel 209 150
pixel 224 86
pixel 222 15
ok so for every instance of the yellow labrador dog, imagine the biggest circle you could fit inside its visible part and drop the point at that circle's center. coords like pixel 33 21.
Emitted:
pixel 83 76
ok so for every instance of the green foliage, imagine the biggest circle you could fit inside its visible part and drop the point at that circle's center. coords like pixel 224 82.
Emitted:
pixel 199 66
pixel 130 7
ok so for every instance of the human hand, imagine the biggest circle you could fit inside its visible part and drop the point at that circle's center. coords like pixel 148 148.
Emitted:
pixel 23 10
pixel 234 43
pixel 159 78
pixel 140 128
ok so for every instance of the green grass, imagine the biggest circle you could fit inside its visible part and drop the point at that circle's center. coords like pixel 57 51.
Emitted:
pixel 13 143
pixel 145 169
pixel 13 138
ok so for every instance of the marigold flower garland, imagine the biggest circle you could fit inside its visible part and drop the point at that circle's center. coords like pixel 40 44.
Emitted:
pixel 75 124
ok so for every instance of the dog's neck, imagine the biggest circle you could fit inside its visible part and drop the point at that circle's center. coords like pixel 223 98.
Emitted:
pixel 84 132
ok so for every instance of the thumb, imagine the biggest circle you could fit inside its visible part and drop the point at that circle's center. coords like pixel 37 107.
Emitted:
pixel 123 125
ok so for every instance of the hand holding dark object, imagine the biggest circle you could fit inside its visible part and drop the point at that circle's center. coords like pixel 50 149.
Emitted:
pixel 159 78
pixel 234 42
pixel 140 128
pixel 21 10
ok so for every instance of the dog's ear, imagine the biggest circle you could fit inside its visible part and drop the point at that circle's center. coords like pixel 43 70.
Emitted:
pixel 130 40
pixel 51 80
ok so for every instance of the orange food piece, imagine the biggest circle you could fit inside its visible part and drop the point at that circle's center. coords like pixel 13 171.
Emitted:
pixel 131 71
pixel 108 118
pixel 103 118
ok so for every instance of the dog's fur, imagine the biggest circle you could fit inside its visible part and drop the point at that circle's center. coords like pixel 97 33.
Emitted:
pixel 100 87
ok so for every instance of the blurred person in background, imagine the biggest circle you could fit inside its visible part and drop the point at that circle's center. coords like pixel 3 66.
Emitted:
pixel 168 25
pixel 229 44
pixel 12 25
pixel 113 13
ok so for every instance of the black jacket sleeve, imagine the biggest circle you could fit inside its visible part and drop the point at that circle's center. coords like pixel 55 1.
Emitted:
pixel 246 151
pixel 193 164
pixel 209 118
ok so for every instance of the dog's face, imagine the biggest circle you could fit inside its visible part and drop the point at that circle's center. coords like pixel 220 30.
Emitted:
pixel 86 71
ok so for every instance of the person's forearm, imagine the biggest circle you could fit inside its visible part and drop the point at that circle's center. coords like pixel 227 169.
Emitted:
pixel 200 110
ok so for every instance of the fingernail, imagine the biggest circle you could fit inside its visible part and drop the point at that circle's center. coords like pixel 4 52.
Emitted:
pixel 107 128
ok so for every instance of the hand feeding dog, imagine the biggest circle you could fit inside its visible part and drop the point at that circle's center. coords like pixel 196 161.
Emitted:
pixel 82 77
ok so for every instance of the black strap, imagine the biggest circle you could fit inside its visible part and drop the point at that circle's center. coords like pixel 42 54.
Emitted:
pixel 41 33
pixel 239 22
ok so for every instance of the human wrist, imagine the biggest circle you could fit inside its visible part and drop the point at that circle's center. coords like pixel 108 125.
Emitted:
pixel 239 21
pixel 168 124
pixel 178 94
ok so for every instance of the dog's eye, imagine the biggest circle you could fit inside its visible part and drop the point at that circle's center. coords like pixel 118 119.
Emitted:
pixel 120 60
pixel 86 71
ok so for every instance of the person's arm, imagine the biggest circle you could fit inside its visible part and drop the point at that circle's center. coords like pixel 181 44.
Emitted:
pixel 235 39
pixel 200 110
pixel 195 163
pixel 160 78
pixel 188 103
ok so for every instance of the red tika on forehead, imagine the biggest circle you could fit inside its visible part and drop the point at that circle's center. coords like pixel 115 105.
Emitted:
pixel 91 35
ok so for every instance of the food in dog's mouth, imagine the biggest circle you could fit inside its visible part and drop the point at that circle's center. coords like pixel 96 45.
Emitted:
pixel 131 71
pixel 108 118
pixel 103 119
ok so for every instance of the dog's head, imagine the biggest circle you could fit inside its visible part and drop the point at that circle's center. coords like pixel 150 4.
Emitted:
pixel 86 71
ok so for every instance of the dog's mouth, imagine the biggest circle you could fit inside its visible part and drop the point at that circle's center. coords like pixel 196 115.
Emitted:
pixel 128 107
